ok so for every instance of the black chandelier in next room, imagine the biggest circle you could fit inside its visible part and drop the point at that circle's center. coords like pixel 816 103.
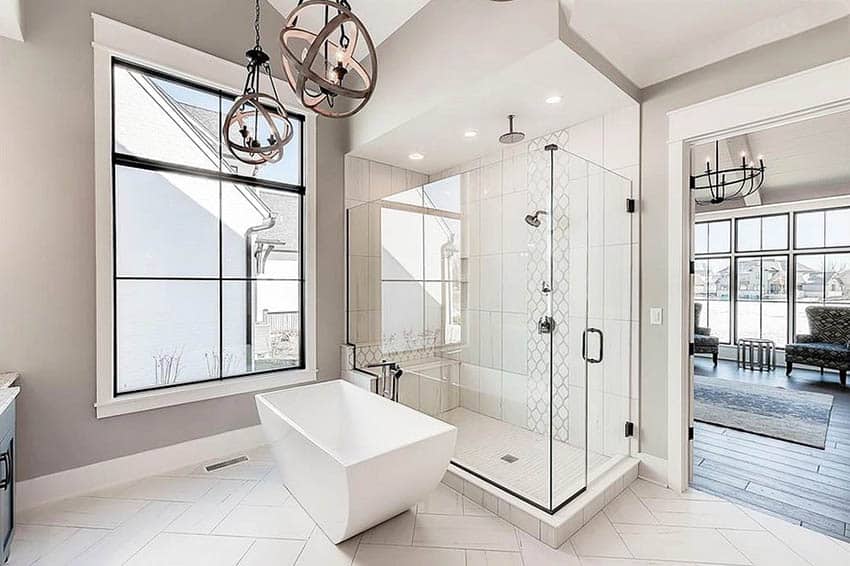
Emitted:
pixel 716 185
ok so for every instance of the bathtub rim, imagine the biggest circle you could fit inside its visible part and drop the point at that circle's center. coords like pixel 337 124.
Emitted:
pixel 261 398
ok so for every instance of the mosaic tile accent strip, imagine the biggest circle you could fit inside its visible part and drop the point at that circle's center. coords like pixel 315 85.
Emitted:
pixel 548 353
pixel 365 354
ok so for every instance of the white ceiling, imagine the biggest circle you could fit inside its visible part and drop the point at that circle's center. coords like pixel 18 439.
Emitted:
pixel 381 17
pixel 648 40
pixel 653 40
pixel 443 72
pixel 804 160
pixel 439 76
pixel 438 134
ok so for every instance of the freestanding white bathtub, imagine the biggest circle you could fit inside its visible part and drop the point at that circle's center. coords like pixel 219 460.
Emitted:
pixel 350 457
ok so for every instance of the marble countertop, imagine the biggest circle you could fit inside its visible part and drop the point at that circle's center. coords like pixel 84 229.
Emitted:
pixel 8 393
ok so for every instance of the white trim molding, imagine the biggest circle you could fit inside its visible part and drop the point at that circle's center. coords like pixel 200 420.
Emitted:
pixel 101 475
pixel 115 39
pixel 815 92
pixel 652 468
pixel 193 392
pixel 776 208
pixel 787 99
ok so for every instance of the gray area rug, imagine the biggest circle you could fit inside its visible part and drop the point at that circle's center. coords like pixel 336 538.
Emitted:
pixel 796 416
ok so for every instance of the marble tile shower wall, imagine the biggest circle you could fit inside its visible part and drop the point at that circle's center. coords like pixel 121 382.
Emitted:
pixel 494 259
pixel 604 281
pixel 504 370
pixel 365 182
pixel 501 373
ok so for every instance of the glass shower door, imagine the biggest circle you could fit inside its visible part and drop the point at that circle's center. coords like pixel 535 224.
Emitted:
pixel 503 291
pixel 591 374
pixel 573 340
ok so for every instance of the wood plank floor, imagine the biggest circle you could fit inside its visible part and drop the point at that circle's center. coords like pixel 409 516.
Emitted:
pixel 806 485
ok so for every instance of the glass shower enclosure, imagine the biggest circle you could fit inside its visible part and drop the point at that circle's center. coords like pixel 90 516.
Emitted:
pixel 504 293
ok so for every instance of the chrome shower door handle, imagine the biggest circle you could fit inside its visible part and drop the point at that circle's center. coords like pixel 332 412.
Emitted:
pixel 584 345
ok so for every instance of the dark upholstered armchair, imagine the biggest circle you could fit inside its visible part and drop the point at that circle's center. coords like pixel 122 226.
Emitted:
pixel 704 342
pixel 828 343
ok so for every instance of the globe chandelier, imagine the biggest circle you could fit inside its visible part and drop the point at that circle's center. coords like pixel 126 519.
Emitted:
pixel 332 70
pixel 256 128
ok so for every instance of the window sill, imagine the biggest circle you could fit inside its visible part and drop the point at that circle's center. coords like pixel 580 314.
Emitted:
pixel 191 393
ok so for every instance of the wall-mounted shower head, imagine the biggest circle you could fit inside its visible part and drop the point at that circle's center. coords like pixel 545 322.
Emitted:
pixel 511 136
pixel 533 220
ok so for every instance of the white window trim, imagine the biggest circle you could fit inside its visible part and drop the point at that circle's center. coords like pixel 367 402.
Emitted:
pixel 114 39
pixel 841 201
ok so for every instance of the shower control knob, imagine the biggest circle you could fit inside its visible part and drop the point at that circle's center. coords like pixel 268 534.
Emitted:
pixel 545 288
pixel 546 325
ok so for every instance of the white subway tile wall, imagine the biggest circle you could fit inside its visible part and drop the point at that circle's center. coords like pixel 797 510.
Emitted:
pixel 504 366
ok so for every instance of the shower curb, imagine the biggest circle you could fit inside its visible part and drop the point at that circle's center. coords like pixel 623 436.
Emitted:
pixel 551 529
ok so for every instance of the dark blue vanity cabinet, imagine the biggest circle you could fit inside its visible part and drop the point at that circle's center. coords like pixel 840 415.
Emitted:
pixel 7 478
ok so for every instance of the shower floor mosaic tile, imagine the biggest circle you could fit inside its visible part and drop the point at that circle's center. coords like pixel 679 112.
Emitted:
pixel 482 442
pixel 242 515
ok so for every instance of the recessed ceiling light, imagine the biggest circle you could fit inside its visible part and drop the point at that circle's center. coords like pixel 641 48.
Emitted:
pixel 470 133
pixel 553 99
pixel 416 156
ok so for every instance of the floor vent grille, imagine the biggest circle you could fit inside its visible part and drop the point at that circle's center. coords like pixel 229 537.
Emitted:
pixel 509 458
pixel 226 463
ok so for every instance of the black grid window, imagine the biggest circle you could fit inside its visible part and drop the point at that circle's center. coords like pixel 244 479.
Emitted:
pixel 815 262
pixel 761 304
pixel 828 228
pixel 208 252
pixel 713 237
pixel 820 279
pixel 761 233
pixel 712 289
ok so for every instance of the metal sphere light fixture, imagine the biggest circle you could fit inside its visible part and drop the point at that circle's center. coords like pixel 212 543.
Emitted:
pixel 332 70
pixel 256 128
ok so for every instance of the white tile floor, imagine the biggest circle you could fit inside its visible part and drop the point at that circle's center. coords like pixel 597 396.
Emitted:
pixel 243 516
pixel 483 440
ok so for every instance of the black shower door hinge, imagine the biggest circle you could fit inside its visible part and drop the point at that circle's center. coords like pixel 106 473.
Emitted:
pixel 693 267
pixel 630 429
pixel 691 349
pixel 630 205
pixel 690 433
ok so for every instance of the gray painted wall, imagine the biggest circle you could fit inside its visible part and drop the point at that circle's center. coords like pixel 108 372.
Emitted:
pixel 47 288
pixel 812 48
pixel 330 241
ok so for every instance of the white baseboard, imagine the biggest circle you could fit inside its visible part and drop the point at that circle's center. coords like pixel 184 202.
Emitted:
pixel 652 468
pixel 77 481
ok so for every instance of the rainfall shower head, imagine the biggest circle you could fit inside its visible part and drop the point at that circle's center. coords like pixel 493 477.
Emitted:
pixel 533 220
pixel 511 136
